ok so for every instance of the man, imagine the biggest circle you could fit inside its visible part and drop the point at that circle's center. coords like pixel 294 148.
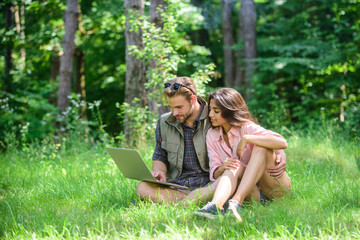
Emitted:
pixel 180 154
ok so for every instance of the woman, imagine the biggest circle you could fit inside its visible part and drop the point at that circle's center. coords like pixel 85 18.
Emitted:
pixel 240 151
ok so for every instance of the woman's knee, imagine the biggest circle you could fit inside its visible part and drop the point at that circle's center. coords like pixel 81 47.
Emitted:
pixel 262 150
pixel 267 153
pixel 232 172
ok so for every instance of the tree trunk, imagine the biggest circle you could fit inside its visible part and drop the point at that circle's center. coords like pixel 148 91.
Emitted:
pixel 248 18
pixel 20 29
pixel 156 7
pixel 55 64
pixel 228 39
pixel 66 60
pixel 155 15
pixel 55 71
pixel 135 68
pixel 80 72
pixel 9 12
pixel 80 79
pixel 240 73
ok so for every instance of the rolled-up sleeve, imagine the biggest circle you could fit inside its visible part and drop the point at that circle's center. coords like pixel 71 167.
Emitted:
pixel 254 129
pixel 159 153
pixel 213 152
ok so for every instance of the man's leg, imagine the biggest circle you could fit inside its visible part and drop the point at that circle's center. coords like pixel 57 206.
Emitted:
pixel 156 193
pixel 201 194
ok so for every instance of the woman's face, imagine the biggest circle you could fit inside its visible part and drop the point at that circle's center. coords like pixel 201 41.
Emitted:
pixel 215 115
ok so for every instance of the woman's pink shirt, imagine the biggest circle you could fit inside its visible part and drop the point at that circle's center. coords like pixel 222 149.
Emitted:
pixel 218 150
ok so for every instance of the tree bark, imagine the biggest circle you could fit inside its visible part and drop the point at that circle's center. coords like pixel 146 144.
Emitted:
pixel 155 15
pixel 55 64
pixel 80 79
pixel 228 39
pixel 9 12
pixel 135 68
pixel 240 73
pixel 20 29
pixel 54 73
pixel 80 71
pixel 156 7
pixel 248 17
pixel 66 60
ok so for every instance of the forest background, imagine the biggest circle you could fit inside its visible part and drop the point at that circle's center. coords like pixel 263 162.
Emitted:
pixel 304 68
pixel 81 75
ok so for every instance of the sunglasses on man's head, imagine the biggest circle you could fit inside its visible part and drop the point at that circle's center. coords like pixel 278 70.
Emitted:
pixel 176 86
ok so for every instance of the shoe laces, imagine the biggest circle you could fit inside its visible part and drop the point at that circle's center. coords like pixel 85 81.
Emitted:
pixel 233 204
pixel 209 205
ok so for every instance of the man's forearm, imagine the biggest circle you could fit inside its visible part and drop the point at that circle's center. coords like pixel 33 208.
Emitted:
pixel 159 166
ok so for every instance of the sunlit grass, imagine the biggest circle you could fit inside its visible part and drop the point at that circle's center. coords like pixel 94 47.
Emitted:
pixel 58 191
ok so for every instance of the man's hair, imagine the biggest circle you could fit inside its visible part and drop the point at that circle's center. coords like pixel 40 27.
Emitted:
pixel 233 107
pixel 187 89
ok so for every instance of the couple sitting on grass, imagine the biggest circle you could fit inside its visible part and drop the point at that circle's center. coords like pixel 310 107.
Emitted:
pixel 217 150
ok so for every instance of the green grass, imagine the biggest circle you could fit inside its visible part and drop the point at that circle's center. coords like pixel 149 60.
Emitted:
pixel 56 191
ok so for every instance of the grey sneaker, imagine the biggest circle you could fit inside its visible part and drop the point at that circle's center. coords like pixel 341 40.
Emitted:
pixel 234 209
pixel 133 202
pixel 209 211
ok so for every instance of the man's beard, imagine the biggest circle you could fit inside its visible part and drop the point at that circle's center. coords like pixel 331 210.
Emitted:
pixel 188 115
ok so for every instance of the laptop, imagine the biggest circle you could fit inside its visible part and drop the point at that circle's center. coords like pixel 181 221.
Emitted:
pixel 133 166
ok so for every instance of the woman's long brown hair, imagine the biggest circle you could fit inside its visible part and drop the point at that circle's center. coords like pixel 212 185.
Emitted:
pixel 233 107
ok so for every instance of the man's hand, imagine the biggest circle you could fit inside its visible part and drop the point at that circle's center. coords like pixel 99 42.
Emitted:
pixel 280 164
pixel 159 170
pixel 159 176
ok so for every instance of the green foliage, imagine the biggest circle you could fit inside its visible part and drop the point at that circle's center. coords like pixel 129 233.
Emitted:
pixel 23 118
pixel 103 43
pixel 307 67
pixel 159 52
pixel 308 60
pixel 99 37
pixel 99 126
pixel 71 119
pixel 139 120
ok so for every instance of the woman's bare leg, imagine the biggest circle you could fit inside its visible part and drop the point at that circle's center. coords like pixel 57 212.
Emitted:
pixel 223 191
pixel 262 159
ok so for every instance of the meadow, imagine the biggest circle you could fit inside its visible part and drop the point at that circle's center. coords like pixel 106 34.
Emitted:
pixel 73 190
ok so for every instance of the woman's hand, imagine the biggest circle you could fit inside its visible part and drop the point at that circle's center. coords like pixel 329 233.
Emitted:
pixel 241 146
pixel 231 163
pixel 228 164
